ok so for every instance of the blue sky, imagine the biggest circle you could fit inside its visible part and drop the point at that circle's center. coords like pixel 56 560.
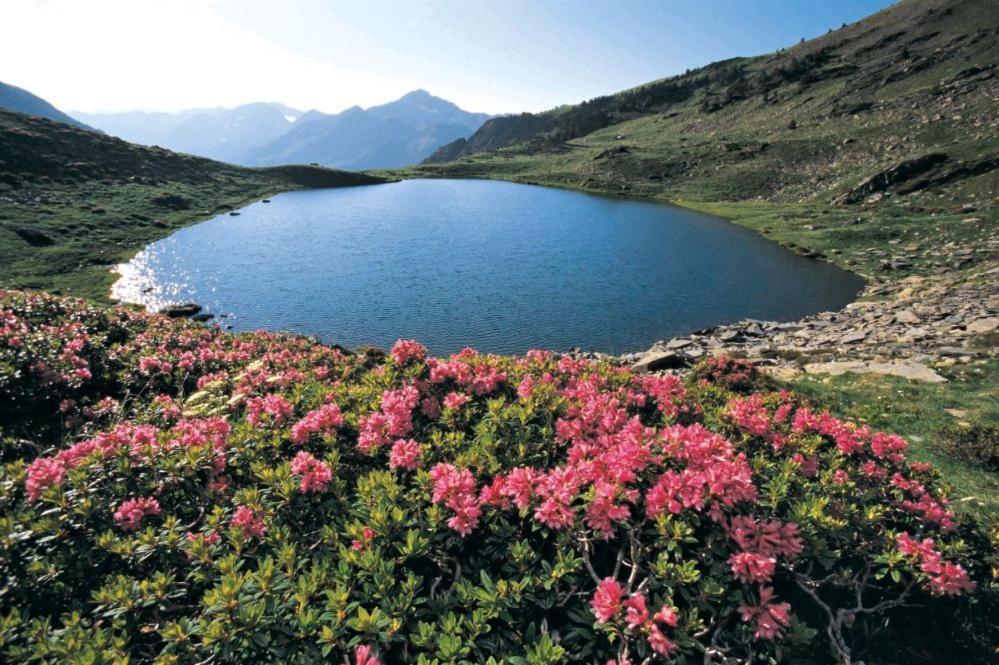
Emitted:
pixel 502 56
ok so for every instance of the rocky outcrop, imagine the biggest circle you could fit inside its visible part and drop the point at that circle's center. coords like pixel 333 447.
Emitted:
pixel 882 180
pixel 898 328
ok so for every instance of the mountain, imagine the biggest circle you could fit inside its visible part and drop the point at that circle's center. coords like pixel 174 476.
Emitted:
pixel 903 99
pixel 395 134
pixel 229 135
pixel 19 100
pixel 74 202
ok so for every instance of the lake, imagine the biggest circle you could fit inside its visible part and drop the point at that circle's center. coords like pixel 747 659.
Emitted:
pixel 498 266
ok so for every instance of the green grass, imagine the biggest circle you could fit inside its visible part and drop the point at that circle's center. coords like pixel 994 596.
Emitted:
pixel 917 411
pixel 95 198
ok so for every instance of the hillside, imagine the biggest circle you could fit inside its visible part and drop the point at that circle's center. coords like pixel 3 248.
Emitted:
pixel 19 100
pixel 805 124
pixel 73 203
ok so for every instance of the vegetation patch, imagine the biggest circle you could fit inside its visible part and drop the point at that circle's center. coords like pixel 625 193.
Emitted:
pixel 175 493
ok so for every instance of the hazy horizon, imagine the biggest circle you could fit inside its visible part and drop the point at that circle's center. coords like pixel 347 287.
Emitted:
pixel 152 55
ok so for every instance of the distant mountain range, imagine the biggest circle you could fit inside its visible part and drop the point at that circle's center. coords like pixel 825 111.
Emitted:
pixel 399 133
pixel 19 100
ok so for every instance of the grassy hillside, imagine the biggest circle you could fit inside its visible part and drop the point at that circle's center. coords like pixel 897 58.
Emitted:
pixel 773 141
pixel 73 203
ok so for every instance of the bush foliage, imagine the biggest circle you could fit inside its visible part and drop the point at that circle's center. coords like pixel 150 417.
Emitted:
pixel 173 493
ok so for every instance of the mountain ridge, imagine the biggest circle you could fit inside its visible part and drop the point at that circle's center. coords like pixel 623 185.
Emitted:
pixel 20 100
pixel 267 133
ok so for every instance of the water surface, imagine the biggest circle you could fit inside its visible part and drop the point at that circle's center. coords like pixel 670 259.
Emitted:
pixel 499 266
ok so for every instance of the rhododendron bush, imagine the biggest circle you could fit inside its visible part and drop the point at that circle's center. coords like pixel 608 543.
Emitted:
pixel 175 493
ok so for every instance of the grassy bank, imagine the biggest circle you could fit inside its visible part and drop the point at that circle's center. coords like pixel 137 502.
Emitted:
pixel 919 411
pixel 75 203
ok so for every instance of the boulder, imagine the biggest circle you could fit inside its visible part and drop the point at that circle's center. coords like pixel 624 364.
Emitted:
pixel 905 369
pixel 34 237
pixel 180 310
pixel 983 325
pixel 654 361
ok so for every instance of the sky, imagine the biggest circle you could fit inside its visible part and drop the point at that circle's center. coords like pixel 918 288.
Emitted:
pixel 502 56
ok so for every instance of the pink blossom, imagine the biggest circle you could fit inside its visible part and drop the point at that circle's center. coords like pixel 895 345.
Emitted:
pixel 606 602
pixel 405 455
pixel 752 567
pixel 405 350
pixel 249 522
pixel 130 513
pixel 455 400
pixel 771 618
pixel 43 473
pixel 636 613
pixel 316 475
pixel 276 408
pixel 323 420
pixel 364 656
pixel 457 490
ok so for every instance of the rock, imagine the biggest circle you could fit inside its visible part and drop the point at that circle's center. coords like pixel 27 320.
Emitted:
pixel 202 317
pixel 957 413
pixel 678 344
pixel 654 361
pixel 983 325
pixel 956 352
pixel 906 316
pixel 171 201
pixel 900 172
pixel 905 369
pixel 181 310
pixel 34 237
pixel 854 337
pixel 730 336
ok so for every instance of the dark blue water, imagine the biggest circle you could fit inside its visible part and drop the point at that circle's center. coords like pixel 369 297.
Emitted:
pixel 498 266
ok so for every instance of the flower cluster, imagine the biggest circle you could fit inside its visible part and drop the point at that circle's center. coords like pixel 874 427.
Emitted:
pixel 304 489
pixel 130 513
pixel 945 578
pixel 316 474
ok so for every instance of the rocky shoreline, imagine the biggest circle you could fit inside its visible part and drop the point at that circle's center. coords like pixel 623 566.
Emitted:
pixel 904 328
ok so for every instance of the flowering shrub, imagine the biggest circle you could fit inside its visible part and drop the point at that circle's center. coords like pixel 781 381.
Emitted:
pixel 261 497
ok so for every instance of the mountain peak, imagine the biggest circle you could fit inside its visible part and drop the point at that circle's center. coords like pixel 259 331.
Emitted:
pixel 417 94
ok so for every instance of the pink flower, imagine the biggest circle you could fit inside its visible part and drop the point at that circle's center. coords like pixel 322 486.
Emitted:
pixel 659 642
pixel 249 522
pixel 211 538
pixel 405 455
pixel 752 567
pixel 323 420
pixel 457 490
pixel 276 408
pixel 363 656
pixel 405 350
pixel 316 475
pixel 455 400
pixel 636 613
pixel 944 578
pixel 43 473
pixel 606 602
pixel 771 618
pixel 130 513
